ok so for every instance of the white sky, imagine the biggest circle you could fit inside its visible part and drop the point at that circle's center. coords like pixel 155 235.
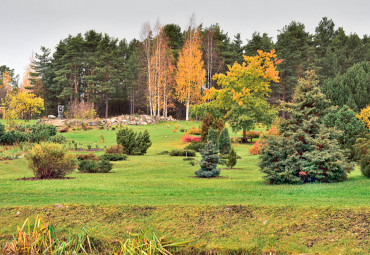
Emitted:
pixel 28 24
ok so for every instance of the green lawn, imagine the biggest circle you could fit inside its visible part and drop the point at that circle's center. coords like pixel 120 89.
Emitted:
pixel 176 199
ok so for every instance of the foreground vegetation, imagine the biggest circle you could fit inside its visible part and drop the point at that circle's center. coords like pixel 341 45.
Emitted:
pixel 238 211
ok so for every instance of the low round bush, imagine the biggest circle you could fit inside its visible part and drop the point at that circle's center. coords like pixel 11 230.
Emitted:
pixel 94 166
pixel 195 146
pixel 114 157
pixel 51 160
pixel 90 156
pixel 13 136
pixel 183 153
pixel 58 139
pixel 114 149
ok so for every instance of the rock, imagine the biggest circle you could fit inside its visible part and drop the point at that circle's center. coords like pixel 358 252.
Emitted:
pixel 51 117
pixel 59 206
pixel 18 213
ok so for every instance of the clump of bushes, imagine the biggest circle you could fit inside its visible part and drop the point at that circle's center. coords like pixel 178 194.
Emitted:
pixel 115 149
pixel 95 166
pixel 208 164
pixel 114 157
pixel 13 137
pixel 133 143
pixel 183 153
pixel 195 146
pixel 51 160
pixel 40 132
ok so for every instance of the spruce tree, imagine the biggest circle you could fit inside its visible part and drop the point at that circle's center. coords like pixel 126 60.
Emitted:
pixel 143 143
pixel 213 136
pixel 208 164
pixel 224 141
pixel 306 150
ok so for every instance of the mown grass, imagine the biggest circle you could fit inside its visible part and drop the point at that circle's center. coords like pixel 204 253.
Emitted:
pixel 191 208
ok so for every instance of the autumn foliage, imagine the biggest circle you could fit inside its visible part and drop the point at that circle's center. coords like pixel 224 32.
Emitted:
pixel 188 138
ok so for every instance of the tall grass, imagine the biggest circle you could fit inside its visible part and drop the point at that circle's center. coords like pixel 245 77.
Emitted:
pixel 42 239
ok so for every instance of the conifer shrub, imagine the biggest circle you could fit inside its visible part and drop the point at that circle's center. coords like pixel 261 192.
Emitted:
pixel 95 166
pixel 362 149
pixel 224 141
pixel 58 139
pixel 208 122
pixel 114 149
pixel 13 137
pixel 305 150
pixel 195 146
pixel 40 132
pixel 232 158
pixel 51 160
pixel 133 143
pixel 114 157
pixel 213 136
pixel 183 153
pixel 208 164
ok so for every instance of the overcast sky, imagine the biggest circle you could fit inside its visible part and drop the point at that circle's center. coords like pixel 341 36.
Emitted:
pixel 28 24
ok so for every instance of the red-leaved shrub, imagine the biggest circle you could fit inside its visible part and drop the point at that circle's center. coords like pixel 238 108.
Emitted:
pixel 188 138
pixel 256 147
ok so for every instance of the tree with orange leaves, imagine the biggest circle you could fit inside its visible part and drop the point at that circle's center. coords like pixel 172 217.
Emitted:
pixel 244 91
pixel 190 76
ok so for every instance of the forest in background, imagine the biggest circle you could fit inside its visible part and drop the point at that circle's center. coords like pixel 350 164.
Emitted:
pixel 167 69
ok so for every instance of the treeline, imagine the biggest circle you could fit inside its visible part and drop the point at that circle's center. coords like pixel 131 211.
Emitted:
pixel 149 75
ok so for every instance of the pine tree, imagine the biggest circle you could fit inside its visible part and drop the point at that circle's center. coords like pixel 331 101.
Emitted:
pixel 232 158
pixel 213 136
pixel 306 150
pixel 208 164
pixel 143 143
pixel 224 141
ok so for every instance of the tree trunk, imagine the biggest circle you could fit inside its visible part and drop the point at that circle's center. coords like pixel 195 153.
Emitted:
pixel 106 105
pixel 187 107
pixel 244 133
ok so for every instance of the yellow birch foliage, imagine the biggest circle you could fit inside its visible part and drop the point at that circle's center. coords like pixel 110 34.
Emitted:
pixel 190 74
pixel 23 105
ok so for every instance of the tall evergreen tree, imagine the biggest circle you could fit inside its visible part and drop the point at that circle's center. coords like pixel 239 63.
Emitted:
pixel 258 42
pixel 305 149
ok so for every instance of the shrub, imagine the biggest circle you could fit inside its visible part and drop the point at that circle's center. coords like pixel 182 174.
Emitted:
pixel 58 139
pixel 231 162
pixel 188 138
pixel 63 130
pixel 40 132
pixel 362 149
pixel 94 166
pixel 195 146
pixel 114 157
pixel 90 156
pixel 208 164
pixel 163 153
pixel 114 149
pixel 256 147
pixel 188 159
pixel 183 153
pixel 2 130
pixel 224 141
pixel 208 122
pixel 13 136
pixel 182 130
pixel 213 136
pixel 51 160
pixel 133 143
pixel 80 110
pixel 253 134
pixel 195 131
pixel 10 153
pixel 143 143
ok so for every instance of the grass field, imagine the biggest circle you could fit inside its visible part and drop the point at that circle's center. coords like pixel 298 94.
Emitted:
pixel 239 212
